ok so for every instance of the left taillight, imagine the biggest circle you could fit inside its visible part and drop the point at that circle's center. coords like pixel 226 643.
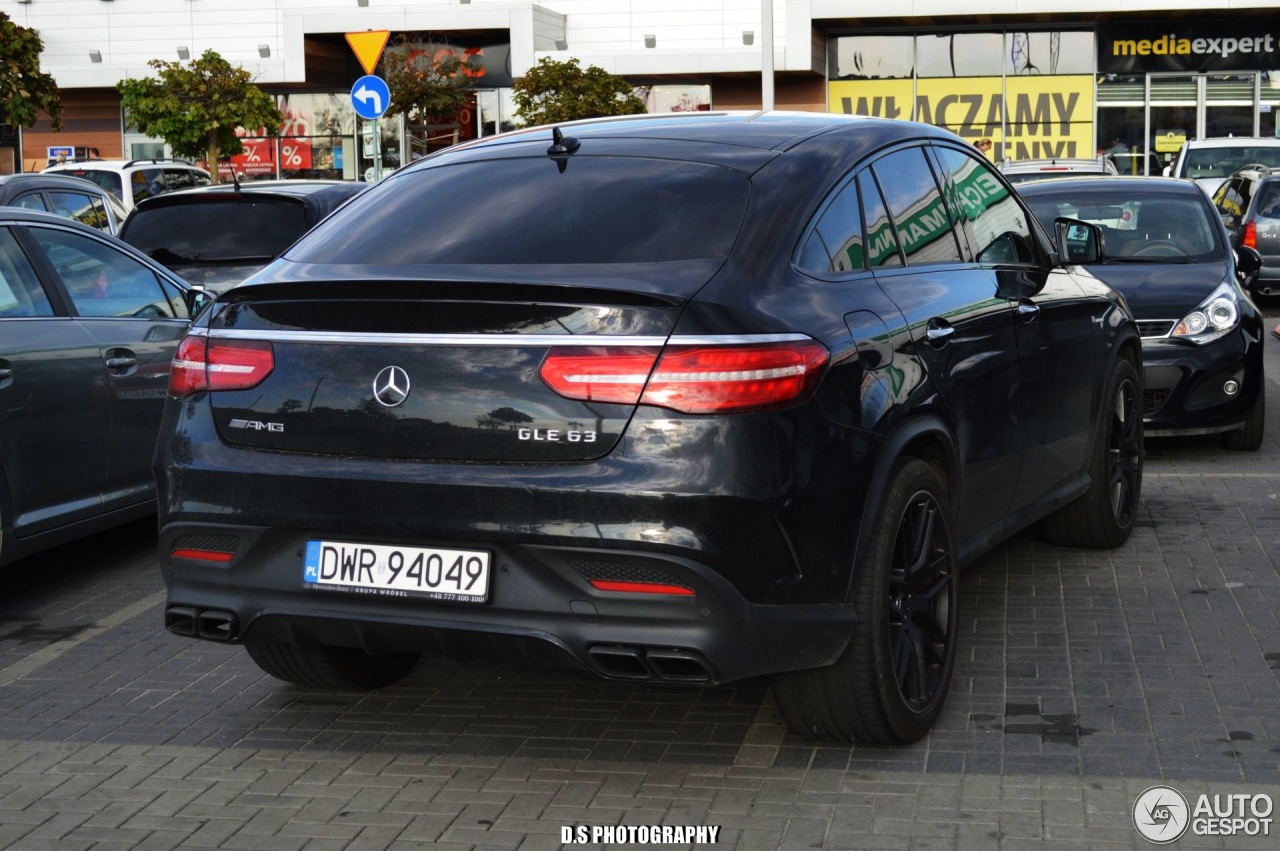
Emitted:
pixel 204 364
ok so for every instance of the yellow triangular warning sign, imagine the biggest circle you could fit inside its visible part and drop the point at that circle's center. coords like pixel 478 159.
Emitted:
pixel 368 47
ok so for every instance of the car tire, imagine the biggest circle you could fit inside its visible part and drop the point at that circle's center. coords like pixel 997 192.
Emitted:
pixel 1103 516
pixel 1248 438
pixel 889 685
pixel 337 668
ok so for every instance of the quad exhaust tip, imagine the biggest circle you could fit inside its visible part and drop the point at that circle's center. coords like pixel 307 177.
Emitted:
pixel 638 663
pixel 210 624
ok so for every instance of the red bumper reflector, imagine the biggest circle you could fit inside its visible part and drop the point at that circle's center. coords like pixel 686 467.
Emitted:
pixel 202 555
pixel 641 587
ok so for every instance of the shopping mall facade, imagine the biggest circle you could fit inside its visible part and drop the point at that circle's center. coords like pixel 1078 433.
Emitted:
pixel 1039 77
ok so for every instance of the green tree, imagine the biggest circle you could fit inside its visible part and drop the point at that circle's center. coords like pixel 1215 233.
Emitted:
pixel 554 91
pixel 27 90
pixel 197 106
pixel 426 82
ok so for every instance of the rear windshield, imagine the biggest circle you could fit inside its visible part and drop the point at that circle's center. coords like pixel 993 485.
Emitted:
pixel 1178 228
pixel 528 211
pixel 108 180
pixel 216 231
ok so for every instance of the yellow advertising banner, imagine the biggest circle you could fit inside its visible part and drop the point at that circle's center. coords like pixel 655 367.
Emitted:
pixel 1026 117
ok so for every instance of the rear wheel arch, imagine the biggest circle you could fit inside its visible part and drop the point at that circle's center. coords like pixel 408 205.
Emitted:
pixel 926 437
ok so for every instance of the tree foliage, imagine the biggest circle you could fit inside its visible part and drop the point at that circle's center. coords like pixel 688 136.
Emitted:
pixel 428 81
pixel 27 91
pixel 196 107
pixel 555 91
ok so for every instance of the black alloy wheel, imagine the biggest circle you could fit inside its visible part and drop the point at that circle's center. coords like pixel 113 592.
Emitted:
pixel 921 604
pixel 1125 460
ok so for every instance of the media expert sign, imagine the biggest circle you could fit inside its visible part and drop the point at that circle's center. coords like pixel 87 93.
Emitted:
pixel 1204 46
pixel 1026 117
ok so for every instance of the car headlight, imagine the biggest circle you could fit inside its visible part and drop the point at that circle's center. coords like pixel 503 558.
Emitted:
pixel 1217 315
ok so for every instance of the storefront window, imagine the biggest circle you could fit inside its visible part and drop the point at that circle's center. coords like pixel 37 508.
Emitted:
pixel 959 54
pixel 317 135
pixel 873 57
pixel 1048 53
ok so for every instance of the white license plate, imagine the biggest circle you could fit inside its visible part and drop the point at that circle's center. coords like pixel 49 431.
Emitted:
pixel 437 574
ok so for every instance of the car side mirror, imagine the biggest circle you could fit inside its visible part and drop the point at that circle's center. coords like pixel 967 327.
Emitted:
pixel 1248 261
pixel 197 300
pixel 1077 241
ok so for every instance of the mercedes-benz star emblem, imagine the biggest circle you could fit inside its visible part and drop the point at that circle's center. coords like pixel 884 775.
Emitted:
pixel 391 386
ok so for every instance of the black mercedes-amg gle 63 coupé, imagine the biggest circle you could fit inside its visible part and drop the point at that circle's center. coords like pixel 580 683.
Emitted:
pixel 684 399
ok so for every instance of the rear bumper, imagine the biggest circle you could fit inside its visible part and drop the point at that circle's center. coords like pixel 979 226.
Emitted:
pixel 758 515
pixel 541 609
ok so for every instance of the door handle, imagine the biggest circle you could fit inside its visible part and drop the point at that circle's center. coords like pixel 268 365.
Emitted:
pixel 121 362
pixel 938 332
pixel 1028 311
pixel 5 373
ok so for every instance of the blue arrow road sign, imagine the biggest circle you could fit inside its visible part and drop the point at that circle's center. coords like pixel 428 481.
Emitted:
pixel 370 97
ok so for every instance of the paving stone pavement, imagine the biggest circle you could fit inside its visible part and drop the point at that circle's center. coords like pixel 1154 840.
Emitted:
pixel 1083 678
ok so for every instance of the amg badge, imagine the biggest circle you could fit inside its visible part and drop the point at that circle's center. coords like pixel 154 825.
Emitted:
pixel 257 425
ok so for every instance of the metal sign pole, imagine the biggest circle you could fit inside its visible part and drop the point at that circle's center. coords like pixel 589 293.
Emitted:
pixel 377 150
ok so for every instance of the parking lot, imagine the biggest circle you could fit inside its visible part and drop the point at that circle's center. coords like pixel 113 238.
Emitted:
pixel 1084 678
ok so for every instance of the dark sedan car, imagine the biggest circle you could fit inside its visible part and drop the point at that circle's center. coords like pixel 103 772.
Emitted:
pixel 88 327
pixel 681 399
pixel 1201 335
pixel 69 197
pixel 216 236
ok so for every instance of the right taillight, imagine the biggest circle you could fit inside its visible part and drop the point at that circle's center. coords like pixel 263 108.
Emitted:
pixel 204 364
pixel 699 378
pixel 1250 235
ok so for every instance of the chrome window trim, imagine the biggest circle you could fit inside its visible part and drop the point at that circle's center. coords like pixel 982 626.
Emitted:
pixel 492 340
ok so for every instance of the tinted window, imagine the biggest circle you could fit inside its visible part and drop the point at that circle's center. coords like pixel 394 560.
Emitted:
pixel 81 207
pixel 915 203
pixel 882 245
pixel 101 280
pixel 32 201
pixel 146 182
pixel 841 231
pixel 598 210
pixel 994 224
pixel 1139 224
pixel 1228 201
pixel 108 180
pixel 183 178
pixel 20 290
pixel 1226 161
pixel 216 231
pixel 1268 201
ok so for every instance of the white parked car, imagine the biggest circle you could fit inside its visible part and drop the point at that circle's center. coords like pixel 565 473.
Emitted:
pixel 1020 171
pixel 133 180
pixel 1209 162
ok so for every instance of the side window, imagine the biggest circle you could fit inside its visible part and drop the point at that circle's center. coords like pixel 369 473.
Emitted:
pixel 100 280
pixel 1246 191
pixel 32 201
pixel 176 302
pixel 915 203
pixel 1268 206
pixel 1228 202
pixel 840 229
pixel 180 178
pixel 882 245
pixel 146 182
pixel 80 207
pixel 996 225
pixel 20 291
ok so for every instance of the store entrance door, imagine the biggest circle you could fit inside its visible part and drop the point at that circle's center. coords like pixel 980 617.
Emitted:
pixel 1199 106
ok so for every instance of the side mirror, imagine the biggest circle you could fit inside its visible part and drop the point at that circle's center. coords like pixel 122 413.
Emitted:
pixel 197 300
pixel 1248 261
pixel 1078 242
